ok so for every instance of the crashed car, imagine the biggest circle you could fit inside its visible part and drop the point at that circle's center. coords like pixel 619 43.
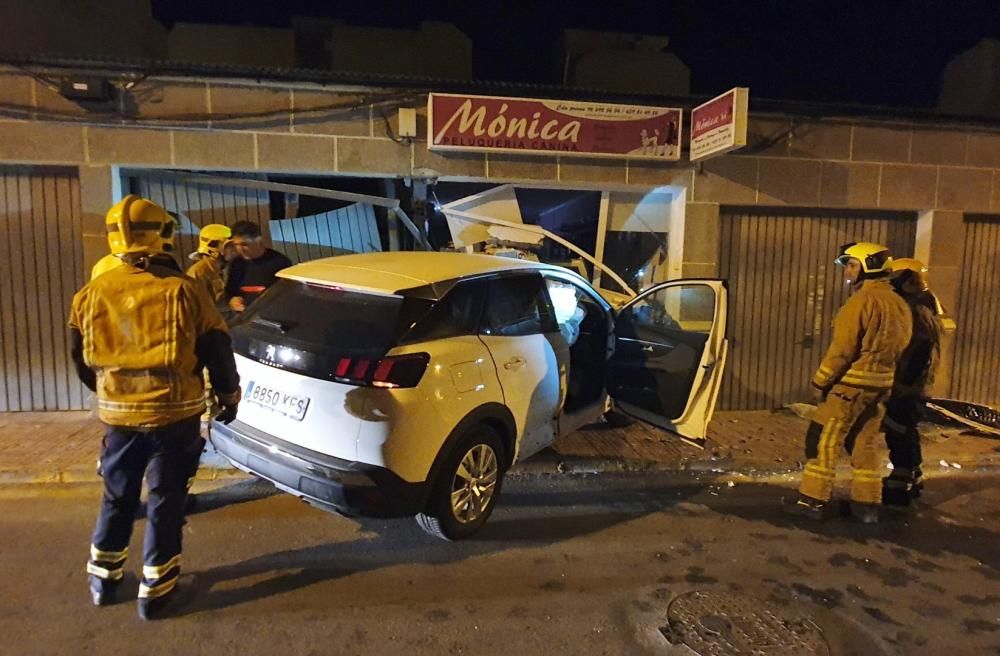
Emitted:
pixel 408 383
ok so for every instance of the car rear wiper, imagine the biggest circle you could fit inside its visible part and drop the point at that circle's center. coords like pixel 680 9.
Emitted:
pixel 268 323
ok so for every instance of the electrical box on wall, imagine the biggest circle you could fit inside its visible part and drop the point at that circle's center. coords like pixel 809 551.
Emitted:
pixel 94 89
pixel 407 122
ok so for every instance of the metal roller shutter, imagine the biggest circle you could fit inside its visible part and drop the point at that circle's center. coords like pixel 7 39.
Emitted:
pixel 41 267
pixel 977 338
pixel 785 291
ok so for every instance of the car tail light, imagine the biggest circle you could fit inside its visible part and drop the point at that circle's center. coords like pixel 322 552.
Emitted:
pixel 389 372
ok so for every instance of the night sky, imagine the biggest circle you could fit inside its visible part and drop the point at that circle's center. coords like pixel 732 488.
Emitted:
pixel 882 52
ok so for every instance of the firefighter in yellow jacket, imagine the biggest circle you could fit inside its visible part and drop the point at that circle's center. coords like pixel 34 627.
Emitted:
pixel 869 335
pixel 141 334
pixel 207 268
pixel 914 378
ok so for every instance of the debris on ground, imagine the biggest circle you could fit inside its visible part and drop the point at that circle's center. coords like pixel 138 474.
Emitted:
pixel 800 410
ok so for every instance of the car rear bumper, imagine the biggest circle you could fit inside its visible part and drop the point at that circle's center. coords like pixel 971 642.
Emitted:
pixel 333 484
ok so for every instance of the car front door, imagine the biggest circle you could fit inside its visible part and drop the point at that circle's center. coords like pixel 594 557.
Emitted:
pixel 670 353
pixel 523 338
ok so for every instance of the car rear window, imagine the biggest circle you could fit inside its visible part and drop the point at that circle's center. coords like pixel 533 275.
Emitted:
pixel 308 328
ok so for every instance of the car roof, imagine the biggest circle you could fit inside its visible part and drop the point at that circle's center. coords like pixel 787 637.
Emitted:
pixel 398 270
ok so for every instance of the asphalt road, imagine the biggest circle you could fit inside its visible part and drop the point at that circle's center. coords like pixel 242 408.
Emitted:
pixel 599 565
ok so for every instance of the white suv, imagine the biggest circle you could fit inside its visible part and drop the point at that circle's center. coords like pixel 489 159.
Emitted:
pixel 407 383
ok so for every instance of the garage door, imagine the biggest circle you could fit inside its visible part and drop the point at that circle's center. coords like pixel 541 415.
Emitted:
pixel 41 267
pixel 977 357
pixel 785 291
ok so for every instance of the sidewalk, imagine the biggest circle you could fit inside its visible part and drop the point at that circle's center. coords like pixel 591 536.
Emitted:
pixel 63 447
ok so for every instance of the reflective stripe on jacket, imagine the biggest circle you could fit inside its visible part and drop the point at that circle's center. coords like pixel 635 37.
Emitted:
pixel 869 335
pixel 139 332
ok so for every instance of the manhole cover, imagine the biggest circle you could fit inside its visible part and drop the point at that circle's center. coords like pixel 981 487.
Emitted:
pixel 720 623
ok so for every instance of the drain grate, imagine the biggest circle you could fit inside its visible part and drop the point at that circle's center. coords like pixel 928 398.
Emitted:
pixel 722 623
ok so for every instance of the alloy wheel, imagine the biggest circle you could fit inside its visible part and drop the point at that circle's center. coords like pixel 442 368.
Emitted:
pixel 474 484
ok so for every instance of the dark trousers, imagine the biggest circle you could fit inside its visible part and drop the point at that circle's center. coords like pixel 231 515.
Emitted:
pixel 168 457
pixel 902 437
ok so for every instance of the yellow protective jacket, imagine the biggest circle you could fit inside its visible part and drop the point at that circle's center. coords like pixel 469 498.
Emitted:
pixel 869 335
pixel 140 341
pixel 207 272
pixel 918 363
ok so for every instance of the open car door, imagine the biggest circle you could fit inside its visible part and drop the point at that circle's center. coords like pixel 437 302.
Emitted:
pixel 670 352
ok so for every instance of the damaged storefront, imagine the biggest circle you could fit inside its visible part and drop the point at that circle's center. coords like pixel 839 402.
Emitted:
pixel 605 185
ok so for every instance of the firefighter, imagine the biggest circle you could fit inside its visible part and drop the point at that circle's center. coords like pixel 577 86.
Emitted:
pixel 141 334
pixel 914 377
pixel 869 334
pixel 208 265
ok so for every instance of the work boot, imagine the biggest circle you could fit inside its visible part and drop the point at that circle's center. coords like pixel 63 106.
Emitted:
pixel 154 608
pixel 103 592
pixel 897 491
pixel 866 513
pixel 804 506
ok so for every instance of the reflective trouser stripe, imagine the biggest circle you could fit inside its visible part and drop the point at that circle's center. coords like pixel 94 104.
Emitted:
pixel 158 580
pixel 157 590
pixel 107 565
pixel 108 574
pixel 153 572
pixel 818 476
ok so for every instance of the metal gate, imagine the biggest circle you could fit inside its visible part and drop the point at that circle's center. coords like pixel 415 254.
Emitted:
pixel 784 291
pixel 351 229
pixel 977 339
pixel 196 205
pixel 41 267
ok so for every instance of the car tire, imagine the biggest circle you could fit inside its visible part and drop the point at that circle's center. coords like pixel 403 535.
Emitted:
pixel 617 419
pixel 473 467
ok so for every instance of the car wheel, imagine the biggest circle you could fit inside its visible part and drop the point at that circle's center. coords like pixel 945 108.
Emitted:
pixel 467 487
pixel 617 419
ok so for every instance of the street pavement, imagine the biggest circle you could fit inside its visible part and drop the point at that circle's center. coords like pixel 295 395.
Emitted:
pixel 63 447
pixel 628 563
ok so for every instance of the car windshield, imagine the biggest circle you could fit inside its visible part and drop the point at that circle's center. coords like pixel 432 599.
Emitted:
pixel 308 327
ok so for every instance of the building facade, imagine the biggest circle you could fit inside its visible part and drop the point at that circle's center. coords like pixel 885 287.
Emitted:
pixel 769 217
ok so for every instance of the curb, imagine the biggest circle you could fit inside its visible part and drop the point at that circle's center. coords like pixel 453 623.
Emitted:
pixel 543 467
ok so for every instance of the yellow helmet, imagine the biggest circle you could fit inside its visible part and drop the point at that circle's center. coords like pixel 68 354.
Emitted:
pixel 911 272
pixel 138 226
pixel 212 238
pixel 874 258
pixel 105 264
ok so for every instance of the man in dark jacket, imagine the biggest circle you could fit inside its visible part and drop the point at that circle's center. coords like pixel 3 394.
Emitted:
pixel 914 377
pixel 255 268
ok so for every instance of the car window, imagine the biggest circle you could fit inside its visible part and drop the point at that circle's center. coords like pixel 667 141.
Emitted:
pixel 308 327
pixel 516 306
pixel 570 305
pixel 458 313
pixel 689 308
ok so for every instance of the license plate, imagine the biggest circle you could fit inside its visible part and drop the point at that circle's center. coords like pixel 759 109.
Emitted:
pixel 289 405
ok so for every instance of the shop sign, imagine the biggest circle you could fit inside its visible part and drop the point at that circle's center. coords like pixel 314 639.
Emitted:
pixel 554 127
pixel 720 125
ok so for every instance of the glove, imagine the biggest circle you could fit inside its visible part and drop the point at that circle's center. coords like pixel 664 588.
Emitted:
pixel 228 414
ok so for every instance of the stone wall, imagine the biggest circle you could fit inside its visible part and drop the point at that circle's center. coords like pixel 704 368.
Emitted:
pixel 241 125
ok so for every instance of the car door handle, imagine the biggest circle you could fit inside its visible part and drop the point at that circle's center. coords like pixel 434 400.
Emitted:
pixel 514 363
